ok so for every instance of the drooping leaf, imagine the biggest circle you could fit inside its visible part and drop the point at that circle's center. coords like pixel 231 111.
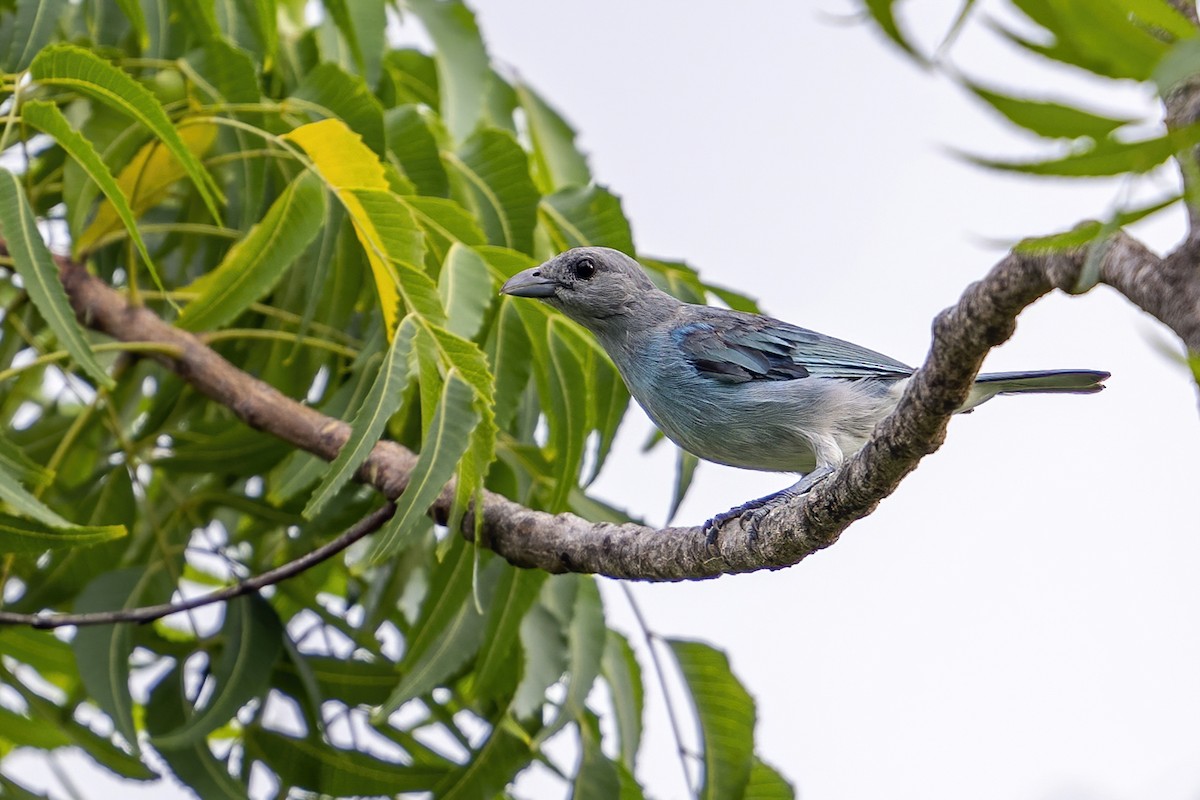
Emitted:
pixel 767 784
pixel 145 180
pixel 454 645
pixel 587 215
pixel 496 762
pixel 884 15
pixel 558 162
pixel 462 61
pixel 253 640
pixel 516 592
pixel 102 651
pixel 193 763
pixel 597 777
pixel 39 273
pixel 84 71
pixel 412 142
pixel 445 443
pixel 346 97
pixel 46 117
pixel 685 470
pixel 623 674
pixel 491 173
pixel 255 264
pixel 466 290
pixel 726 715
pixel 382 400
pixel 313 765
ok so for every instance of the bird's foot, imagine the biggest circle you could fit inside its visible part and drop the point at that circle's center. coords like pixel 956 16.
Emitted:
pixel 758 509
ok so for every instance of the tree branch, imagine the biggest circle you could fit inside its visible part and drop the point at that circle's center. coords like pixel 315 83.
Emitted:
pixel 365 526
pixel 1168 288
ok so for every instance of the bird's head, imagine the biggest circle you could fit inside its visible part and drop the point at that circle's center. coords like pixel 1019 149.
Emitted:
pixel 592 285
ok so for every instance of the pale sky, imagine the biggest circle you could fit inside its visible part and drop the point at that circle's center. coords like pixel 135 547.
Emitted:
pixel 1020 619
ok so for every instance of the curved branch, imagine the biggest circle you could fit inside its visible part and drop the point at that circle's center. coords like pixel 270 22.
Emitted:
pixel 364 527
pixel 983 318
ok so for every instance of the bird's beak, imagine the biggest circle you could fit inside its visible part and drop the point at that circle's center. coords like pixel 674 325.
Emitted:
pixel 529 283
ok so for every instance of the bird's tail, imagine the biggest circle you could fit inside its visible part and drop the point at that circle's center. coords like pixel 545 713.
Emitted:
pixel 1047 381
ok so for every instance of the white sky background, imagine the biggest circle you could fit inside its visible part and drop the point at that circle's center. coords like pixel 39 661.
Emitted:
pixel 1020 619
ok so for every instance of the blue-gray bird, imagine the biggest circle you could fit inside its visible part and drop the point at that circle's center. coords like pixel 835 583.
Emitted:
pixel 743 389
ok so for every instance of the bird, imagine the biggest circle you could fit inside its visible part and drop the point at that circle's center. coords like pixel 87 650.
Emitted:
pixel 742 389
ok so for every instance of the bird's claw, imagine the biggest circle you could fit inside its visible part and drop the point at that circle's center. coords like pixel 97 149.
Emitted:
pixel 713 526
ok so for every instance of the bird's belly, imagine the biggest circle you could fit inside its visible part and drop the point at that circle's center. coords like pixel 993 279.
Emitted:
pixel 774 426
pixel 732 432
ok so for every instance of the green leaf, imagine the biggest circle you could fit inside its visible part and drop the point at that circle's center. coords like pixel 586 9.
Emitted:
pixel 1089 231
pixel 882 12
pixel 586 639
pixel 75 68
pixel 382 401
pixel 363 26
pixel 544 646
pixel 516 592
pixel 587 216
pixel 462 61
pixel 565 382
pixel 597 777
pixel 491 173
pixel 20 466
pixel 412 142
pixel 456 642
pixel 511 355
pixel 1052 120
pixel 1105 159
pixel 48 655
pixel 621 671
pixel 169 710
pixel 767 784
pixel 255 264
pixel 47 118
pixel 102 651
pixel 40 275
pixel 1100 36
pixel 253 640
pixel 557 161
pixel 318 767
pixel 27 537
pixel 685 470
pixel 726 715
pixel 489 769
pixel 445 443
pixel 32 26
pixel 347 97
pixel 466 290
pixel 18 730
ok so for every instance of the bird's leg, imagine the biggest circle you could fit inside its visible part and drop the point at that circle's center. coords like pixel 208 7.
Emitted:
pixel 762 506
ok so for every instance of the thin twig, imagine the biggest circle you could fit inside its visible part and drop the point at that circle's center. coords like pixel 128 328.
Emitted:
pixel 367 525
pixel 662 682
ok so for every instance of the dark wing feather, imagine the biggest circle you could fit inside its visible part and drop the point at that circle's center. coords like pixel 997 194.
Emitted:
pixel 732 347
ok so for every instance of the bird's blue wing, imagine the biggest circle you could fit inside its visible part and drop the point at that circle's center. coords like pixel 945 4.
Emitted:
pixel 732 347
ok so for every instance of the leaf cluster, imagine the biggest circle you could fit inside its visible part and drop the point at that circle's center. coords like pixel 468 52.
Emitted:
pixel 334 215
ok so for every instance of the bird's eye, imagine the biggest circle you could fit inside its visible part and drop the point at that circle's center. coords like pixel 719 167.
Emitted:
pixel 585 268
